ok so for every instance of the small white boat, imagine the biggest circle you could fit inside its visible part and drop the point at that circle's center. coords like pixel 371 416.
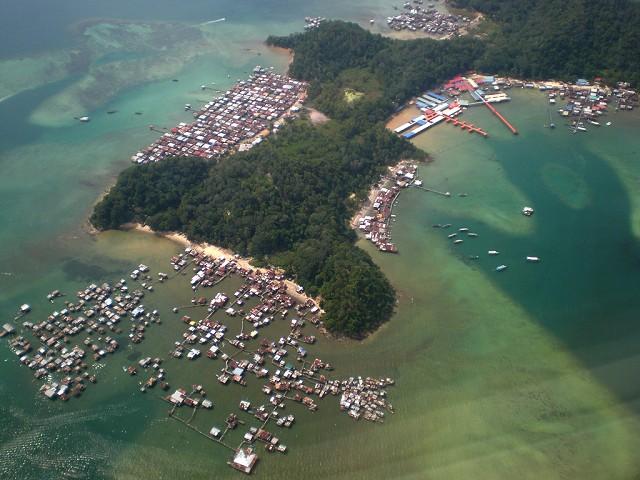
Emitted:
pixel 456 242
pixel 417 183
pixel 527 211
pixel 493 252
pixel 463 229
pixel 472 234
pixel 608 124
pixel 593 122
pixel 25 308
pixel 84 119
pixel 581 129
pixel 501 268
pixel 533 259
pixel 452 235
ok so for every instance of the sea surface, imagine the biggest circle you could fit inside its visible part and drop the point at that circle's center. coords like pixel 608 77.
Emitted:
pixel 528 373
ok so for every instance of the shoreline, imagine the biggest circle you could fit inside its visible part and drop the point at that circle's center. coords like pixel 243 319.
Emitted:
pixel 282 51
pixel 216 251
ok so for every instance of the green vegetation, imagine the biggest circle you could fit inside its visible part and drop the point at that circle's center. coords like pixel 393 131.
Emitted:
pixel 562 38
pixel 351 95
pixel 342 55
pixel 288 201
pixel 285 202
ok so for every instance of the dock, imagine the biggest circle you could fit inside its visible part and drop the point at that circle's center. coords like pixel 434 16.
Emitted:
pixel 173 415
pixel 497 114
pixel 471 128
pixel 426 189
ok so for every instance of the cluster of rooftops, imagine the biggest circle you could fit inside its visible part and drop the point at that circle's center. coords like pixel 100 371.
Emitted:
pixel 240 118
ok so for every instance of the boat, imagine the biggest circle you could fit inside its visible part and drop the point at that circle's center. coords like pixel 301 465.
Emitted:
pixel 580 128
pixel 463 229
pixel 493 252
pixel 593 122
pixel 472 234
pixel 533 259
pixel 608 124
pixel 111 112
pixel 527 211
pixel 452 235
pixel 84 119
pixel 501 268
pixel 474 257
pixel 456 242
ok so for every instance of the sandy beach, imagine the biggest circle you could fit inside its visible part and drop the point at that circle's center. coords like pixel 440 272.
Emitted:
pixel 403 116
pixel 215 251
pixel 282 51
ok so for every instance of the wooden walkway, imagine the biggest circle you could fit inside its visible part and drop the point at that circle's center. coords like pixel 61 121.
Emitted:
pixel 444 194
pixel 497 114
pixel 471 128
pixel 196 429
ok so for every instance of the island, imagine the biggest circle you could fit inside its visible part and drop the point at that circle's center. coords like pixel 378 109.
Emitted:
pixel 288 201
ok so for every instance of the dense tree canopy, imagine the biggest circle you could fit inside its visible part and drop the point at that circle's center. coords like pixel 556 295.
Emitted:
pixel 287 201
pixel 562 38
pixel 339 55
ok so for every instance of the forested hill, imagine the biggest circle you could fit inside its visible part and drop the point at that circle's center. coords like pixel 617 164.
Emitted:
pixel 562 38
pixel 339 55
pixel 288 201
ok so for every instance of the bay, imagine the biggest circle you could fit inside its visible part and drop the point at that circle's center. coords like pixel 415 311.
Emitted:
pixel 521 374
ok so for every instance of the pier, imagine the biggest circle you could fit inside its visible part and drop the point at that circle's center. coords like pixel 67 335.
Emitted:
pixel 497 114
pixel 195 429
pixel 444 194
pixel 465 125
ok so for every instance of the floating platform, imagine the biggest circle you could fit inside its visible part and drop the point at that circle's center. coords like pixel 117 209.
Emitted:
pixel 466 126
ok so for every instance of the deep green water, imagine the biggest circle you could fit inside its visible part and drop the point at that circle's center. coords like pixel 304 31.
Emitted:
pixel 525 374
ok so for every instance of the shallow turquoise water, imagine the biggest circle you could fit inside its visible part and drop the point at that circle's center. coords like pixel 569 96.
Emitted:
pixel 519 375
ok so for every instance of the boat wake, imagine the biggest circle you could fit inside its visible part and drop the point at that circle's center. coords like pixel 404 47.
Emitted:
pixel 214 21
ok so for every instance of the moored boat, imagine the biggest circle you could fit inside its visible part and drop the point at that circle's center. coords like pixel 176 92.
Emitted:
pixel 527 211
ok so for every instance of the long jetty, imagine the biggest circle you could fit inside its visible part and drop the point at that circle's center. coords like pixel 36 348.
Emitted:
pixel 497 114
pixel 444 194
